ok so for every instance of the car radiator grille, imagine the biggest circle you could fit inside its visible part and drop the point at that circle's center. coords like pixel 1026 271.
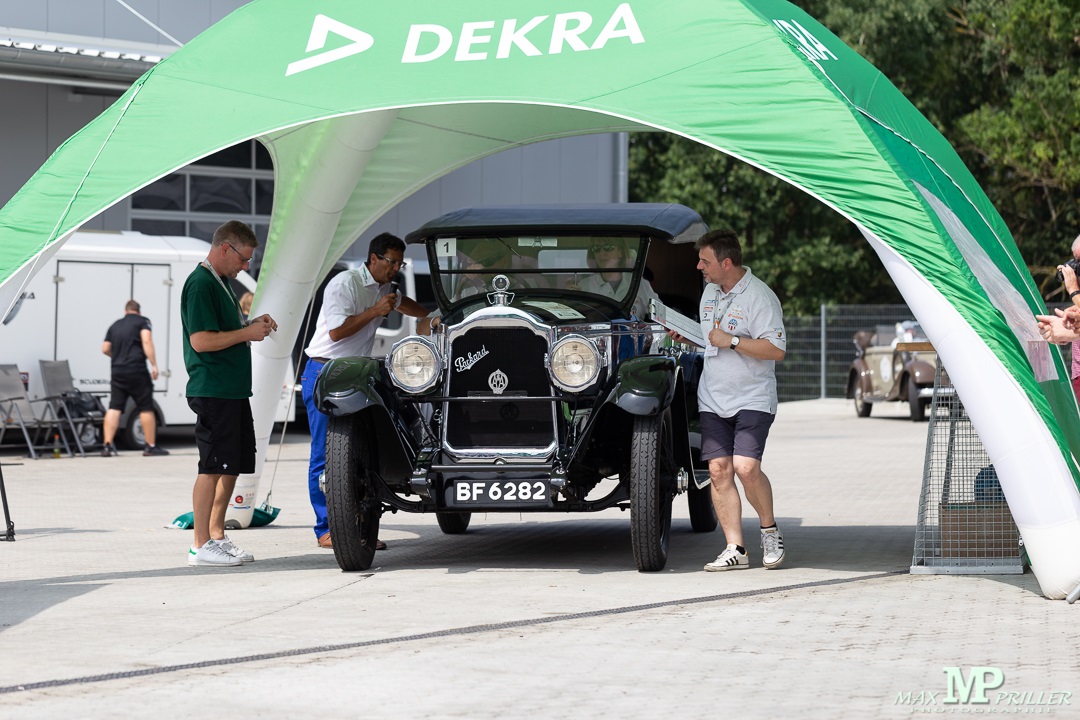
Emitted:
pixel 484 357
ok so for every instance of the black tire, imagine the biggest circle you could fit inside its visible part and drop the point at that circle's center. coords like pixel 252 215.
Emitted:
pixel 131 435
pixel 651 479
pixel 88 433
pixel 916 406
pixel 351 506
pixel 862 408
pixel 702 513
pixel 454 523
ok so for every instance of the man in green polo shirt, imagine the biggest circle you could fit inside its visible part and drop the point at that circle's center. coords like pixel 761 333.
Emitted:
pixel 218 360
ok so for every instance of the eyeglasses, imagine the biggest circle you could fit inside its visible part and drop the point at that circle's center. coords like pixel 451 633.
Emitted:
pixel 605 247
pixel 245 259
pixel 400 264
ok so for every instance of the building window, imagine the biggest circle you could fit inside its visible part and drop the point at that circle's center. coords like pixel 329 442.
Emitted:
pixel 236 183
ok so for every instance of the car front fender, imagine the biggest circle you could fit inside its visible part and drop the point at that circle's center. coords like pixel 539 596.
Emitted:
pixel 921 372
pixel 348 385
pixel 645 385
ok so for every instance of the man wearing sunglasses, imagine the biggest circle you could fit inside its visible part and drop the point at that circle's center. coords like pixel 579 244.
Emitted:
pixel 217 354
pixel 355 303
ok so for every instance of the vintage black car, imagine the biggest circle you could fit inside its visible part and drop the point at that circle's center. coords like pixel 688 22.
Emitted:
pixel 542 390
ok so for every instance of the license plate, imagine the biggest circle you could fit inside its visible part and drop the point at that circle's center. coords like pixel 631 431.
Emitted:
pixel 500 492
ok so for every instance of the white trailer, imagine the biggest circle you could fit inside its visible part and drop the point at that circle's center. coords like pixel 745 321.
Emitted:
pixel 80 291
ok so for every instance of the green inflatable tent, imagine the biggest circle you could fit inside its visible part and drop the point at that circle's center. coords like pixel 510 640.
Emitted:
pixel 363 103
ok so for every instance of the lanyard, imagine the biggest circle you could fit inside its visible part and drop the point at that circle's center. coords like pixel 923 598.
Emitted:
pixel 718 313
pixel 239 313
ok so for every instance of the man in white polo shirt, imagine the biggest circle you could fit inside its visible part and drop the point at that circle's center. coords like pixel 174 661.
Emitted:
pixel 744 326
pixel 354 305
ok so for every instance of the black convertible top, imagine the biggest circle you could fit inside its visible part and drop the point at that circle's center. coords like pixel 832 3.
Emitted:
pixel 672 222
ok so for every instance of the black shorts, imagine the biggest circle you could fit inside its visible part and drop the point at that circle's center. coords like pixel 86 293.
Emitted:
pixel 225 435
pixel 743 435
pixel 138 386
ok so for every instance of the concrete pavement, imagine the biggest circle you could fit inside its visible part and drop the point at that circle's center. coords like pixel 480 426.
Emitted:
pixel 534 615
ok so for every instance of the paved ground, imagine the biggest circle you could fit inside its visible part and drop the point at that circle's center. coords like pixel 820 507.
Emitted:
pixel 523 616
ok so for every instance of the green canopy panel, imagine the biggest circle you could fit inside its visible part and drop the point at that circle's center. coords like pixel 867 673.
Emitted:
pixel 363 103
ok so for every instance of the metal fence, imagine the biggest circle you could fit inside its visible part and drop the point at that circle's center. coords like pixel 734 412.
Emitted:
pixel 820 349
pixel 964 522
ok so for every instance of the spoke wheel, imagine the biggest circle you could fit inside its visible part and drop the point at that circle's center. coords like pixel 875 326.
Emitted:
pixel 351 506
pixel 652 476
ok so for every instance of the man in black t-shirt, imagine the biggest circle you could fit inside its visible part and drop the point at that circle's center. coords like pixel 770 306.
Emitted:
pixel 130 344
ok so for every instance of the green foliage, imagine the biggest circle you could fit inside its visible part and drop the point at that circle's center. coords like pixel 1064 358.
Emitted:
pixel 1025 136
pixel 999 78
pixel 807 253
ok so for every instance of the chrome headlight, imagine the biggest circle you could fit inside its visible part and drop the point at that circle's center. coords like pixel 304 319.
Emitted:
pixel 414 364
pixel 575 363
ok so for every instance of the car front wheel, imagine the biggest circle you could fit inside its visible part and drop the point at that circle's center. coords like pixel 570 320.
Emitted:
pixel 351 505
pixel 651 476
pixel 862 408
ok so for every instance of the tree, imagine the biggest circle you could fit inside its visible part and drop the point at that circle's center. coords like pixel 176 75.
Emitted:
pixel 1024 138
pixel 999 78
pixel 804 250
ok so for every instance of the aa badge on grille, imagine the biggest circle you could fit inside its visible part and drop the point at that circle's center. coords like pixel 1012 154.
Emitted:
pixel 498 381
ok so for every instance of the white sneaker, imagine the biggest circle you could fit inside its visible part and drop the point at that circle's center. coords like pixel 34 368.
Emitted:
pixel 228 546
pixel 772 545
pixel 213 555
pixel 730 559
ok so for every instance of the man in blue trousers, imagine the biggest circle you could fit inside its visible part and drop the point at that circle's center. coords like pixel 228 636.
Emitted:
pixel 354 305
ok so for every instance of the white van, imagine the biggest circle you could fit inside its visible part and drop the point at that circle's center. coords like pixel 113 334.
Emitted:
pixel 66 309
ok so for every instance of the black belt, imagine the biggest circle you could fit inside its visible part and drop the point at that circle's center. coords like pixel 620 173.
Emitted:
pixel 321 361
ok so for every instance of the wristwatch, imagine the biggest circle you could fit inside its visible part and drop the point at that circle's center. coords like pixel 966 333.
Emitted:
pixel 734 341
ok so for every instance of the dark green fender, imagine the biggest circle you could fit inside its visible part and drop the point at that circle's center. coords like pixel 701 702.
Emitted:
pixel 646 384
pixel 359 385
pixel 348 385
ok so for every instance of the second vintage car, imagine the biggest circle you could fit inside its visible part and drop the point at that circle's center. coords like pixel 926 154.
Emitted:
pixel 543 389
pixel 894 363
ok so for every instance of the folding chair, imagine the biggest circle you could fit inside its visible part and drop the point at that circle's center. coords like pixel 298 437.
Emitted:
pixel 16 408
pixel 83 413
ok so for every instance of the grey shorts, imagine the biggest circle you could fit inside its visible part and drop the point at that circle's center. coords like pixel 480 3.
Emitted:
pixel 744 434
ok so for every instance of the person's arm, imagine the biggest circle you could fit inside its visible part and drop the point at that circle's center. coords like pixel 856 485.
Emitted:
pixel 355 323
pixel 412 308
pixel 757 348
pixel 680 339
pixel 1072 285
pixel 148 351
pixel 214 340
pixel 106 347
pixel 1053 328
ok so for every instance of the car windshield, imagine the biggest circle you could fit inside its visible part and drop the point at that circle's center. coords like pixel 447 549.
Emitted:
pixel 582 264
